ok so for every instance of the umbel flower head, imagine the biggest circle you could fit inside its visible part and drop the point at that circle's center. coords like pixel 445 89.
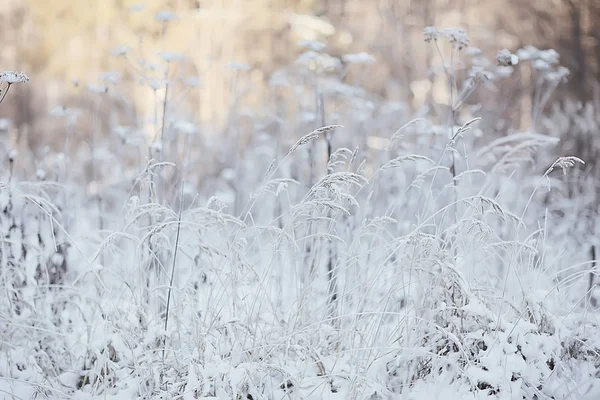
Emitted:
pixel 11 77
pixel 458 37
pixel 505 58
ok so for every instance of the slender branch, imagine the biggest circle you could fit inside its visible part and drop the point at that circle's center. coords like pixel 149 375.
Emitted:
pixel 4 94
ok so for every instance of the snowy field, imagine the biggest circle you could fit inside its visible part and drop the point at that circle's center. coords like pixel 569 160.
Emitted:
pixel 354 251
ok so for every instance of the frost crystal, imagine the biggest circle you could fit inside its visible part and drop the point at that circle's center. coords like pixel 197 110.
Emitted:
pixel 11 77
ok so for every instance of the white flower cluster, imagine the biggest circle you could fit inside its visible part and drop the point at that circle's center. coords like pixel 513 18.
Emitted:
pixel 11 77
pixel 318 62
pixel 505 58
pixel 545 62
pixel 359 58
pixel 165 16
pixel 458 37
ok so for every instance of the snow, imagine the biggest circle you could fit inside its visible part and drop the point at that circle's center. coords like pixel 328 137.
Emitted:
pixel 419 260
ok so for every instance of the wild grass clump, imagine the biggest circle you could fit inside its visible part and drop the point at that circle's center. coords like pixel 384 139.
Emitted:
pixel 380 256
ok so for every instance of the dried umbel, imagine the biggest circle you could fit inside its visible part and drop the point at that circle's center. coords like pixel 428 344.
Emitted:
pixel 11 77
pixel 505 58
pixel 458 37
pixel 431 33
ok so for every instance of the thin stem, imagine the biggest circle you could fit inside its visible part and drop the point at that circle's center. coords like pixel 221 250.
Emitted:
pixel 174 261
pixel 4 94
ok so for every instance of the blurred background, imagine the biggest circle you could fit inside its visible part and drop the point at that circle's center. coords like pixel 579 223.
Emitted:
pixel 131 103
pixel 59 41
pixel 227 56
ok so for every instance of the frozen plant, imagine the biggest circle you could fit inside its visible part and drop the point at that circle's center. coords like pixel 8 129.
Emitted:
pixel 11 78
pixel 506 58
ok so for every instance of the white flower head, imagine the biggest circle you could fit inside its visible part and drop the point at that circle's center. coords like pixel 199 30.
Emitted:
pixel 120 51
pixel 456 36
pixel 527 53
pixel 473 51
pixel 153 83
pixel 94 88
pixel 238 66
pixel 136 8
pixel 40 174
pixel 157 147
pixel 550 56
pixel 71 114
pixel 319 62
pixel 192 81
pixel 170 56
pixel 12 155
pixel 431 33
pixel 540 65
pixel 504 71
pixel 122 131
pixel 279 78
pixel 560 75
pixel 185 127
pixel 505 58
pixel 215 203
pixel 165 16
pixel 359 58
pixel 480 75
pixel 313 45
pixel 5 124
pixel 59 111
pixel 11 77
pixel 111 77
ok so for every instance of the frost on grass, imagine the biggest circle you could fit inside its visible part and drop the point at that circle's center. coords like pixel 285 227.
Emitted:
pixel 337 269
